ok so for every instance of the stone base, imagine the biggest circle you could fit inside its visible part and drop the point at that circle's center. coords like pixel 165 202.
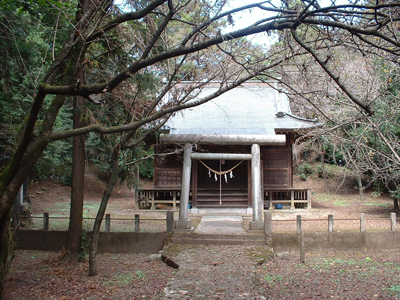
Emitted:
pixel 256 226
pixel 183 224
pixel 194 210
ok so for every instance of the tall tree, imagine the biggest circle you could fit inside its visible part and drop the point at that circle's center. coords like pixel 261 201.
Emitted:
pixel 78 178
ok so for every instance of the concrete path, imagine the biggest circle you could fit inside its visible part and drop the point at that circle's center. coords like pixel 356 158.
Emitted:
pixel 220 225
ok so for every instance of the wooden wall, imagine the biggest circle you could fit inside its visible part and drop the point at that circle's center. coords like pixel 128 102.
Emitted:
pixel 167 169
pixel 276 167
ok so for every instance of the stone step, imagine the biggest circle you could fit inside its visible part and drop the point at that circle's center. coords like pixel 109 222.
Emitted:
pixel 218 239
pixel 227 205
pixel 225 194
pixel 217 199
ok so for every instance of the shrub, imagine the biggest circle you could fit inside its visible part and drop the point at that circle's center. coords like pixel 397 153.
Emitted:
pixel 304 169
pixel 329 172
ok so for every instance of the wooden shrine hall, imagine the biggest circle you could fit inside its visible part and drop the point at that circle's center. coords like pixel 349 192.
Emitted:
pixel 237 155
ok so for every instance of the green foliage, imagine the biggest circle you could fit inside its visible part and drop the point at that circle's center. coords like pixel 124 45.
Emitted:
pixel 56 160
pixel 25 49
pixel 396 193
pixel 332 154
pixel 305 169
pixel 329 170
pixel 84 246
pixel 319 170
pixel 146 167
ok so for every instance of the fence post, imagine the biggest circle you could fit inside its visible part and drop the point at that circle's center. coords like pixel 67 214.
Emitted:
pixel 330 223
pixel 108 222
pixel 393 221
pixel 302 248
pixel 362 222
pixel 170 221
pixel 267 222
pixel 137 224
pixel 298 229
pixel 46 221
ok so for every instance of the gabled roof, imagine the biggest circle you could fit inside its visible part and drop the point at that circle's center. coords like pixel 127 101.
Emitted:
pixel 254 108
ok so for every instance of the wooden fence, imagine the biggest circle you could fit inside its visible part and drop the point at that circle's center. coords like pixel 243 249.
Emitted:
pixel 272 226
pixel 169 221
pixel 296 198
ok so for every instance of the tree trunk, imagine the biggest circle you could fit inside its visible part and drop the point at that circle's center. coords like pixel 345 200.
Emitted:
pixel 6 250
pixel 324 172
pixel 78 180
pixel 100 216
pixel 360 185
pixel 396 207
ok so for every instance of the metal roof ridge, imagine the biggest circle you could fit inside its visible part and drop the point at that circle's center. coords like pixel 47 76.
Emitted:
pixel 281 114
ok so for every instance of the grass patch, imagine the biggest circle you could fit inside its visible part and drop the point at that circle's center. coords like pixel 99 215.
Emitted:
pixel 260 254
pixel 273 279
pixel 327 263
pixel 376 204
pixel 395 288
pixel 341 203
pixel 128 278
pixel 331 198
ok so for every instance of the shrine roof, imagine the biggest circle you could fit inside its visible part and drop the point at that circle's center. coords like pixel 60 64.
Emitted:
pixel 250 109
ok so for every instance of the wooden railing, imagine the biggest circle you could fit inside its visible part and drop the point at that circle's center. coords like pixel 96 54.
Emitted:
pixel 296 198
pixel 153 196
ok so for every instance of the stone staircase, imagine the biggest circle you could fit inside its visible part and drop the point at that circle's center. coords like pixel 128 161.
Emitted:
pixel 246 239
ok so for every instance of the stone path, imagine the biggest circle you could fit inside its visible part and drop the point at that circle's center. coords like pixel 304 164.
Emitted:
pixel 215 272
pixel 220 225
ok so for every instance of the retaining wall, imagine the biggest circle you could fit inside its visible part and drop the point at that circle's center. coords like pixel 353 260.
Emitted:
pixel 336 241
pixel 129 242
pixel 109 242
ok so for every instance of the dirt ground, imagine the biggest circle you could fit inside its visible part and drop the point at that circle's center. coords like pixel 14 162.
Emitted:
pixel 212 272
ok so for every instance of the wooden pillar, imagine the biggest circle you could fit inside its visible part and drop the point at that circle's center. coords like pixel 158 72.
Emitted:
pixel 302 248
pixel 174 200
pixel 108 223
pixel 153 206
pixel 330 223
pixel 298 228
pixel 267 222
pixel 362 222
pixel 292 199
pixel 271 206
pixel 257 223
pixel 137 223
pixel 194 183
pixel 46 221
pixel 183 222
pixel 393 222
pixel 249 191
pixel 170 221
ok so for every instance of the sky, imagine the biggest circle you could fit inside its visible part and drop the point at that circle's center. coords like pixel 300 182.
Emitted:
pixel 245 19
